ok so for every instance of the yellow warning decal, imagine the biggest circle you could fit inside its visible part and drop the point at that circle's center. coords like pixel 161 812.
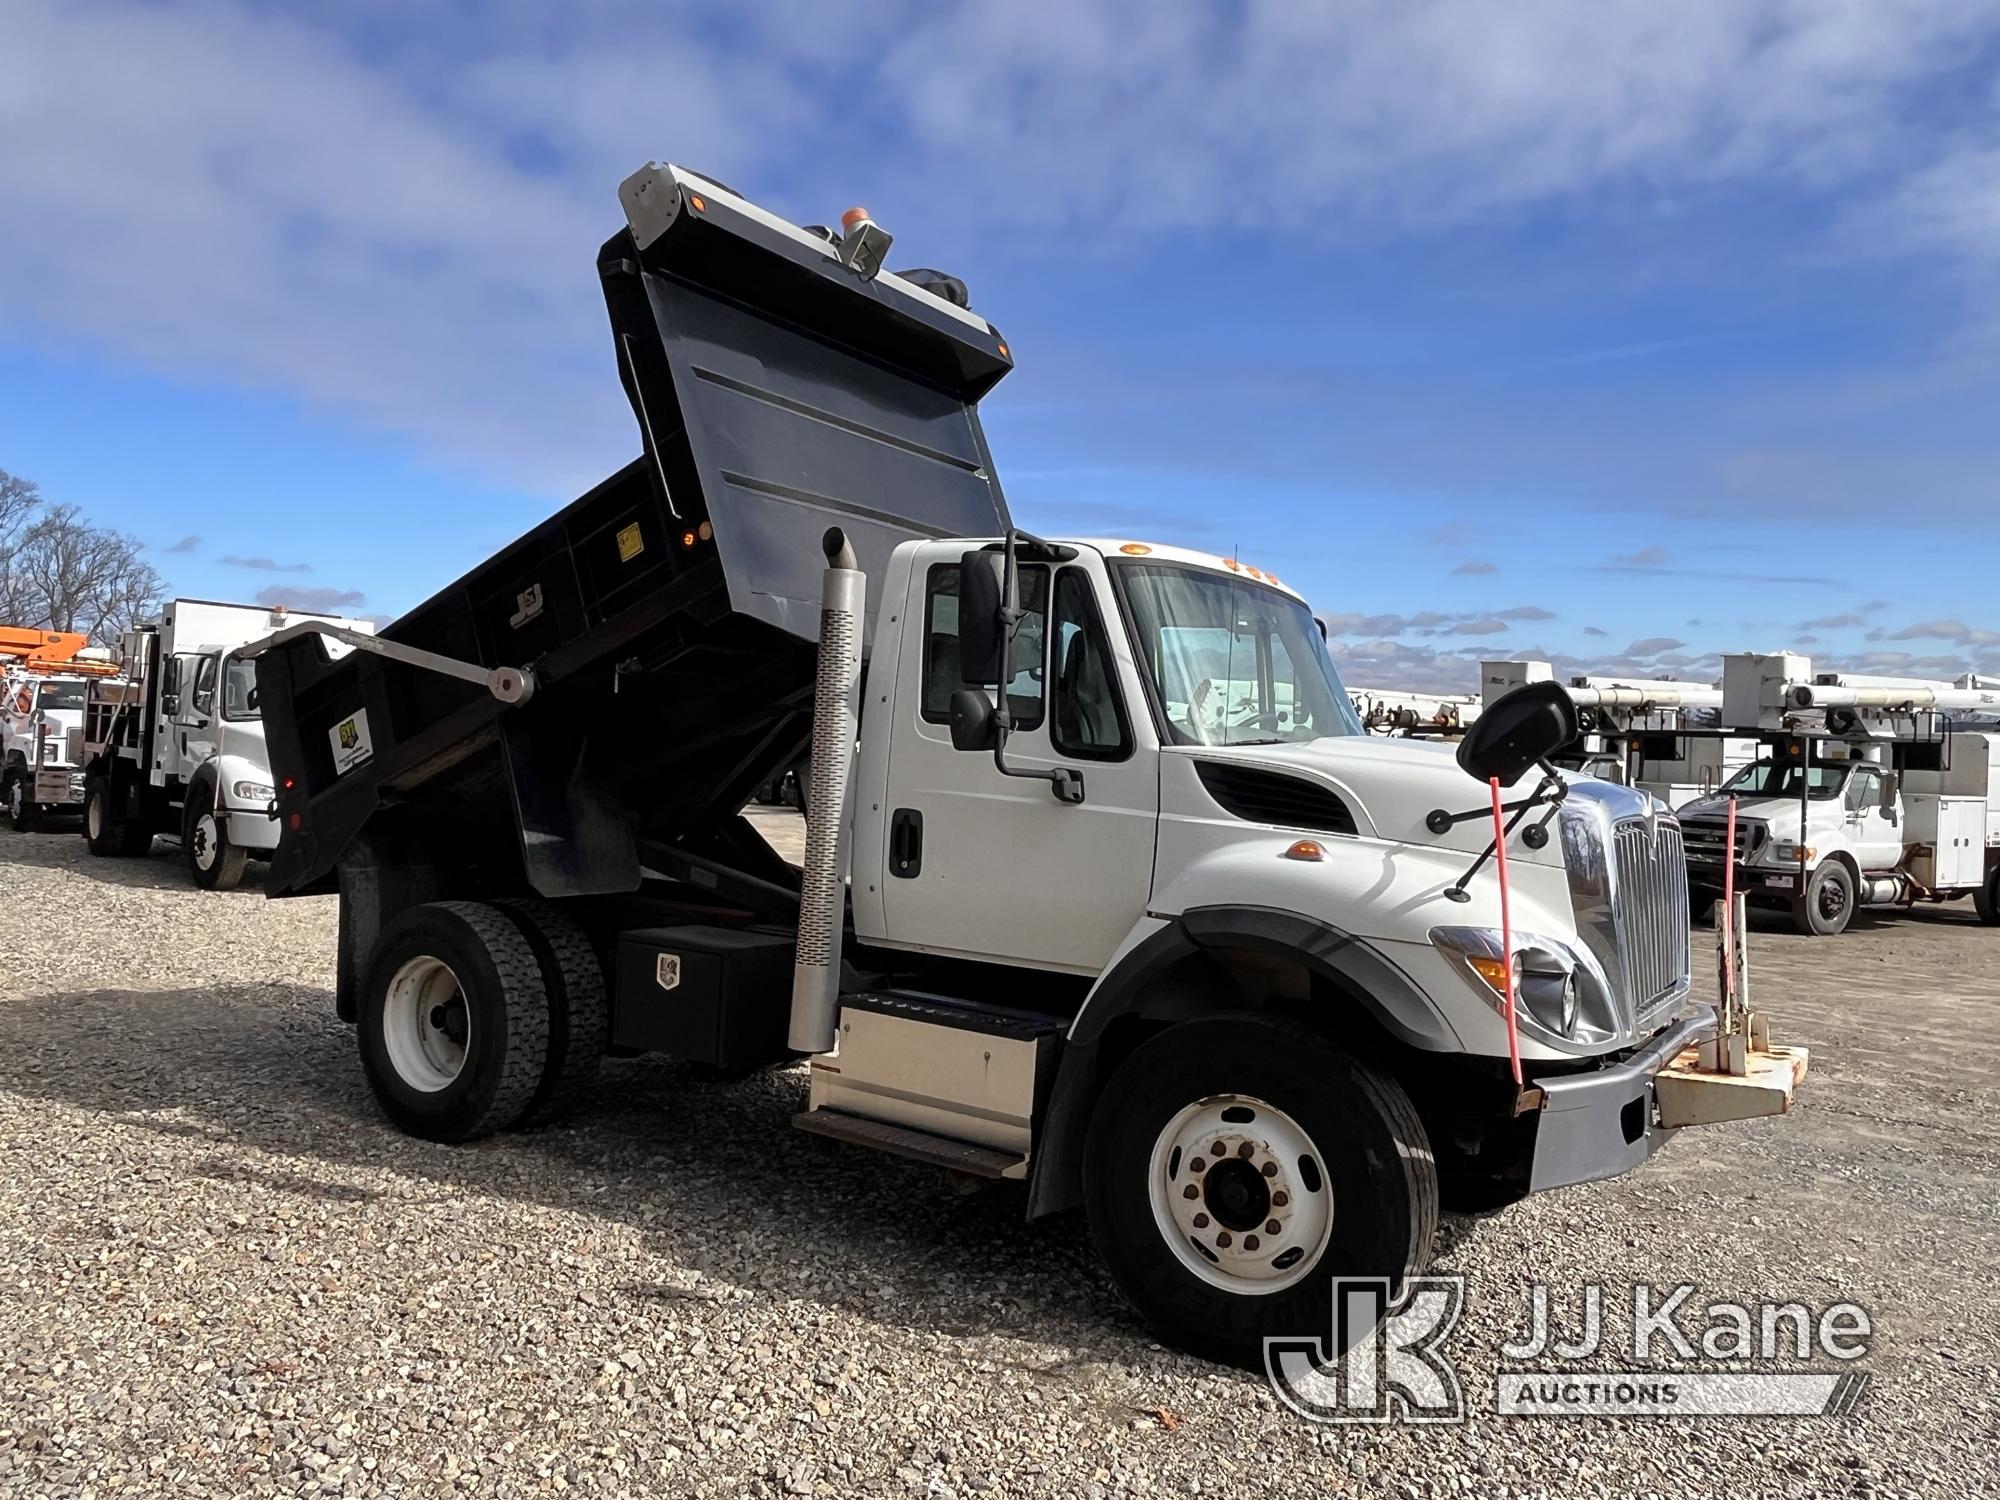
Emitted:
pixel 631 542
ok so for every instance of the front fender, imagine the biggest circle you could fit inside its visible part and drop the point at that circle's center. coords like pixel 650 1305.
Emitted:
pixel 1354 966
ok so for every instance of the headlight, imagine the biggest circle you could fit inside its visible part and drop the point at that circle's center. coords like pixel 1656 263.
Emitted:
pixel 1559 993
pixel 1790 852
pixel 252 791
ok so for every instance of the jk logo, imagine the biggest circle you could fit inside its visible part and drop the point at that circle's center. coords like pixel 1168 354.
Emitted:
pixel 1381 1361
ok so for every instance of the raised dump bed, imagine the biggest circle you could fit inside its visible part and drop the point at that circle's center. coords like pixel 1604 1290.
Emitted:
pixel 666 621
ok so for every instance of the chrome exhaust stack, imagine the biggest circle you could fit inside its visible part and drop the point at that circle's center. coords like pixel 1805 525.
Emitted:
pixel 836 719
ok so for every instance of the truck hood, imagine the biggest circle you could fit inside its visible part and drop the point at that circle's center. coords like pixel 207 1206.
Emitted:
pixel 1783 811
pixel 1391 786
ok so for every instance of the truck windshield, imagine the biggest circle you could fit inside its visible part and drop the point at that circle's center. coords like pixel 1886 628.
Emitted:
pixel 1228 661
pixel 62 695
pixel 1766 778
pixel 239 689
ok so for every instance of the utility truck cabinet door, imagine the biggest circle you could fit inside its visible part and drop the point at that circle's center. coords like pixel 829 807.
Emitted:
pixel 981 865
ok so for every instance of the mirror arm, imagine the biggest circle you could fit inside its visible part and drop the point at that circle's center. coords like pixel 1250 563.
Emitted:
pixel 1550 784
pixel 1066 785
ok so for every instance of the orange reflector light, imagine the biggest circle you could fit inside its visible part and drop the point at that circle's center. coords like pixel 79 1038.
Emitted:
pixel 1232 564
pixel 695 203
pixel 1136 549
pixel 705 530
pixel 1492 970
pixel 855 215
pixel 1253 572
pixel 1309 850
pixel 688 538
pixel 1003 352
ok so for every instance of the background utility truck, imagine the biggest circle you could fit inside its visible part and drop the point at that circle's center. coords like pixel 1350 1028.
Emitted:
pixel 1865 794
pixel 1202 957
pixel 43 678
pixel 176 747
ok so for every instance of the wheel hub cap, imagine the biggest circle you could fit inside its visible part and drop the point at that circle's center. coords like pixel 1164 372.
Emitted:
pixel 426 1024
pixel 1239 1194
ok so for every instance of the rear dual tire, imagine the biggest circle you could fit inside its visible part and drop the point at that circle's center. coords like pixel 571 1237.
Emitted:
pixel 1986 900
pixel 1324 1172
pixel 478 1017
pixel 107 834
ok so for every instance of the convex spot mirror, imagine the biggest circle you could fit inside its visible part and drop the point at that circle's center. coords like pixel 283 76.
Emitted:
pixel 981 589
pixel 1517 732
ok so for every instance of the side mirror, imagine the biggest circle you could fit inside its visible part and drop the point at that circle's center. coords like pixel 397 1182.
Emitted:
pixel 981 588
pixel 1517 732
pixel 170 705
pixel 1891 789
pixel 971 720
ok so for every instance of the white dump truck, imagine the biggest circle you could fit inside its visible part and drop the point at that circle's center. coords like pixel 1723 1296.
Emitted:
pixel 1105 890
pixel 174 747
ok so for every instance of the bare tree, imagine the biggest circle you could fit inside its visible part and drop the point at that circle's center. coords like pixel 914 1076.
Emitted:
pixel 19 500
pixel 60 572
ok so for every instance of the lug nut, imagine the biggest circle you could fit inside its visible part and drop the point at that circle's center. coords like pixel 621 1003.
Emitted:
pixel 1201 1221
pixel 1217 1149
pixel 1274 1227
pixel 1249 1242
pixel 1280 1198
pixel 1222 1239
pixel 1270 1169
pixel 1246 1151
pixel 1190 1191
pixel 1197 1164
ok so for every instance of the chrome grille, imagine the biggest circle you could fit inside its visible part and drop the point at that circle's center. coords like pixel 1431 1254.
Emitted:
pixel 1708 839
pixel 1650 911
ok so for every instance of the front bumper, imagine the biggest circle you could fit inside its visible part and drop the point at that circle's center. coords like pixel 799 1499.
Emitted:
pixel 1751 880
pixel 58 786
pixel 1604 1123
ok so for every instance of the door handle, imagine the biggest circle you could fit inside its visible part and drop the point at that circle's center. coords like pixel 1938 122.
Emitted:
pixel 906 843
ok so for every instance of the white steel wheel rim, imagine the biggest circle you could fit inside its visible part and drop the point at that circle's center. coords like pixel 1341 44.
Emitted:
pixel 93 816
pixel 16 797
pixel 205 841
pixel 1256 1214
pixel 426 1024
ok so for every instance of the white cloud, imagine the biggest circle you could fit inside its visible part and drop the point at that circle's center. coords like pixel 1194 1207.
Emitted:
pixel 226 191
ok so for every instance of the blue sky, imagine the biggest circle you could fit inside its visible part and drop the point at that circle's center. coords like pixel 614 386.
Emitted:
pixel 1624 335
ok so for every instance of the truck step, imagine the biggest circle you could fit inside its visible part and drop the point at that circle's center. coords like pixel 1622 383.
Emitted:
pixel 917 1145
pixel 961 1015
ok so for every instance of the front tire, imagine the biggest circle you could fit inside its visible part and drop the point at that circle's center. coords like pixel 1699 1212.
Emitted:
pixel 23 814
pixel 1827 904
pixel 215 863
pixel 1323 1171
pixel 454 1024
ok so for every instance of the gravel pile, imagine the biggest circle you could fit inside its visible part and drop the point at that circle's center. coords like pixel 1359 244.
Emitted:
pixel 222 1274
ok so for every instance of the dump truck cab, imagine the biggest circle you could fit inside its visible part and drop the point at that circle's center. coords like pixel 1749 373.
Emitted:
pixel 1104 890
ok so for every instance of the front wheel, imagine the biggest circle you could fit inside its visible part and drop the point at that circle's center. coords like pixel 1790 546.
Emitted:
pixel 215 863
pixel 22 811
pixel 1236 1167
pixel 1827 904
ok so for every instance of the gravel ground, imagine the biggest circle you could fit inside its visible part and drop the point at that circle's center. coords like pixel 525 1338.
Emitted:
pixel 221 1273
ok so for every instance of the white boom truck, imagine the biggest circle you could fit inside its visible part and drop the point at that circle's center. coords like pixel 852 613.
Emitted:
pixel 1104 890
pixel 44 675
pixel 176 747
pixel 1865 794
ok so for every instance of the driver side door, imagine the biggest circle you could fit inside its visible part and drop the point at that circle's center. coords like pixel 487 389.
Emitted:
pixel 986 866
pixel 1877 835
